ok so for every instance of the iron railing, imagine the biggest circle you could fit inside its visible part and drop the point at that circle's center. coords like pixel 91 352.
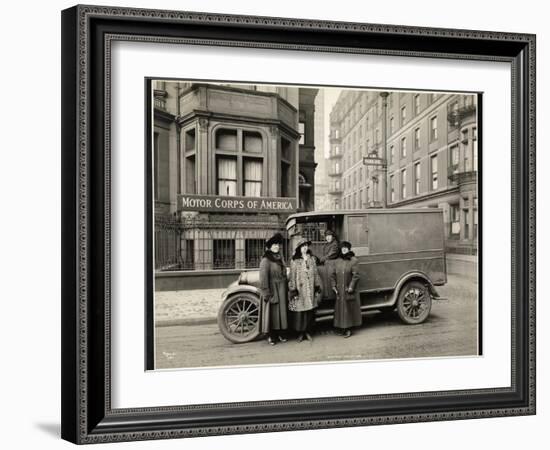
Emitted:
pixel 198 244
pixel 167 243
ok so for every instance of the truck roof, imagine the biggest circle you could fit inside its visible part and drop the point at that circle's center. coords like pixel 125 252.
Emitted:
pixel 343 212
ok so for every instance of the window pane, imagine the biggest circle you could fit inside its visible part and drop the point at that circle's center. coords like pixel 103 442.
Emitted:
pixel 253 178
pixel 417 178
pixel 455 220
pixel 227 176
pixel 226 139
pixel 302 130
pixel 190 183
pixel 434 171
pixel 252 142
pixel 433 126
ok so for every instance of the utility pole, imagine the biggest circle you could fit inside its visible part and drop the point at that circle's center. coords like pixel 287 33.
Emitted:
pixel 384 183
pixel 373 159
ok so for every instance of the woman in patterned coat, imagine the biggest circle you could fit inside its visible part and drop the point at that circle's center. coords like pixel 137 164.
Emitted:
pixel 305 289
pixel 344 276
pixel 274 290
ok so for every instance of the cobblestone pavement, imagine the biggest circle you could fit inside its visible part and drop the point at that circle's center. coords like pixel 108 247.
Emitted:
pixel 451 330
pixel 187 307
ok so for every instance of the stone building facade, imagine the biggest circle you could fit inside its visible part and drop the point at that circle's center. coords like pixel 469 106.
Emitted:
pixel 228 168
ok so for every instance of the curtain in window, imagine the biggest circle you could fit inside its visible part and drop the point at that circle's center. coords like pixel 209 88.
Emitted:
pixel 227 176
pixel 253 178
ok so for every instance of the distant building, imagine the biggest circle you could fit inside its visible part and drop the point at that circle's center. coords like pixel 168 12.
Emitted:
pixel 307 164
pixel 431 150
pixel 321 172
pixel 228 169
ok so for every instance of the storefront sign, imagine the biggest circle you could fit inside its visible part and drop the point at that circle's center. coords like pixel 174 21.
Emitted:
pixel 203 203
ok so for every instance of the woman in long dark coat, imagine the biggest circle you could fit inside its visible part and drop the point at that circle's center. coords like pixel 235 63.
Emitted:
pixel 304 286
pixel 274 290
pixel 345 275
pixel 330 252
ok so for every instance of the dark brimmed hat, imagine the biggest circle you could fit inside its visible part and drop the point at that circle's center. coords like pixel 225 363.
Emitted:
pixel 345 244
pixel 277 238
pixel 330 233
pixel 302 242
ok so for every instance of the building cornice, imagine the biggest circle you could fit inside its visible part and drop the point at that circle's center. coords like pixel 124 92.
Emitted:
pixel 164 115
pixel 196 86
pixel 198 114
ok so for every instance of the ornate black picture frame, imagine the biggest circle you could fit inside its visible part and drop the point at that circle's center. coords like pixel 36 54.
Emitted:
pixel 87 34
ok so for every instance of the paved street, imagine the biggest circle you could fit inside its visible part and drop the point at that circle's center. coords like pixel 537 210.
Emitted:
pixel 451 330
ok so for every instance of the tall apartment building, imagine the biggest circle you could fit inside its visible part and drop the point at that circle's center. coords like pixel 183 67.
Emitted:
pixel 431 149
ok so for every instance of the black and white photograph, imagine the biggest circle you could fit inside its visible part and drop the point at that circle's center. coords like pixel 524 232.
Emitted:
pixel 297 224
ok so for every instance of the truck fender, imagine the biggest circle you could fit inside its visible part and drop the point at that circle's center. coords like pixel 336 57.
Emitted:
pixel 413 276
pixel 241 288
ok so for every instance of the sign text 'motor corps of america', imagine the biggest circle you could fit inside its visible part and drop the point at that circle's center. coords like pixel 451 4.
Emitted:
pixel 188 202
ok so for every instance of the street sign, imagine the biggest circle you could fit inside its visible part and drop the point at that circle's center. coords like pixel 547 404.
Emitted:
pixel 373 161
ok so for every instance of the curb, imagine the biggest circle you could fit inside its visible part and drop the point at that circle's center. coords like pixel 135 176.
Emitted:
pixel 188 321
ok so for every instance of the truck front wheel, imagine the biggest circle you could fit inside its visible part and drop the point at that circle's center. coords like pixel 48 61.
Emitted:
pixel 239 318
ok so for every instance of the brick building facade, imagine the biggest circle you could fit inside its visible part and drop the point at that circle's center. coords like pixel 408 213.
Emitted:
pixel 430 145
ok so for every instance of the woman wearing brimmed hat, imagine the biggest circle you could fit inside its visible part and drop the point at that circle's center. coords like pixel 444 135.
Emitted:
pixel 274 289
pixel 345 275
pixel 305 288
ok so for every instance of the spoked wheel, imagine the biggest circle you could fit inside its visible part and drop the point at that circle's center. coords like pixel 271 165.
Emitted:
pixel 239 318
pixel 414 303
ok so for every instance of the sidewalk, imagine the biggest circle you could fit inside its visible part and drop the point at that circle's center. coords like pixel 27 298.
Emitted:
pixel 464 265
pixel 200 306
pixel 192 307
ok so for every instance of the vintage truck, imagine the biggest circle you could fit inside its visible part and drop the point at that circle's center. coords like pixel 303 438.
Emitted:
pixel 401 255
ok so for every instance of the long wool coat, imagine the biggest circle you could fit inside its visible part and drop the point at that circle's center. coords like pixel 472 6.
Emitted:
pixel 304 280
pixel 274 290
pixel 329 255
pixel 344 276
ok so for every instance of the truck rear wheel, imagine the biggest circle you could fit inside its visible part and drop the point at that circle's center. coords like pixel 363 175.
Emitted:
pixel 414 303
pixel 239 318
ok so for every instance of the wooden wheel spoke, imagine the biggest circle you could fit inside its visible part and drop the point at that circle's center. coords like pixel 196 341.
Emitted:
pixel 233 310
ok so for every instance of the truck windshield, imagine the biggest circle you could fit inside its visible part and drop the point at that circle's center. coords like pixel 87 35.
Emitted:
pixel 314 229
